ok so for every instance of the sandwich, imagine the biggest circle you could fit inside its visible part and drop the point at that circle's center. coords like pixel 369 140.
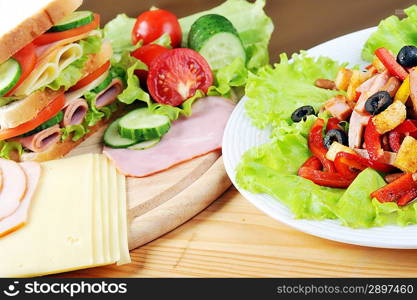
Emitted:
pixel 56 83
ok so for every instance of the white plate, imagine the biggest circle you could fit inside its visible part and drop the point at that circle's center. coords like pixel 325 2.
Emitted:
pixel 240 135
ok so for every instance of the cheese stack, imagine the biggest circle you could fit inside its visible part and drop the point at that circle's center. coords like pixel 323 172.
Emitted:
pixel 77 220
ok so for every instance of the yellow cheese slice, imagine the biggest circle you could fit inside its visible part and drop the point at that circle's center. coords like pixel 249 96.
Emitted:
pixel 123 239
pixel 58 236
pixel 113 213
pixel 96 216
pixel 67 55
pixel 104 178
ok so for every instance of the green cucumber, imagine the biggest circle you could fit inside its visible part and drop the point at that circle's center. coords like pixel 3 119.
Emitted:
pixel 10 72
pixel 74 20
pixel 51 122
pixel 217 40
pixel 145 145
pixel 113 139
pixel 103 85
pixel 142 125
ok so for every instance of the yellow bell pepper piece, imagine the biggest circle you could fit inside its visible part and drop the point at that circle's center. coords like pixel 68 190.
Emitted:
pixel 404 91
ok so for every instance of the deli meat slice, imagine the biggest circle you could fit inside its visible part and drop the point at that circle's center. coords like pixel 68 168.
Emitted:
pixel 14 187
pixel 188 138
pixel 42 140
pixel 20 216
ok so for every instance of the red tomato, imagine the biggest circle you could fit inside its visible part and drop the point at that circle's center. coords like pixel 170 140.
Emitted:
pixel 51 37
pixel 147 54
pixel 48 112
pixel 90 77
pixel 176 75
pixel 153 24
pixel 27 60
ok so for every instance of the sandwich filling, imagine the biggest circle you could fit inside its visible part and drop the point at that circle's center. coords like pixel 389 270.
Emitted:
pixel 57 87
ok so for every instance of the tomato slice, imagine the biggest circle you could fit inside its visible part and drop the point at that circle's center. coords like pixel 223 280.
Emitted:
pixel 51 37
pixel 176 75
pixel 90 77
pixel 48 112
pixel 27 60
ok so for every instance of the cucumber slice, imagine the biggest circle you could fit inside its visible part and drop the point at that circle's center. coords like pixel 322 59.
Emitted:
pixel 10 72
pixel 145 145
pixel 217 40
pixel 113 139
pixel 103 85
pixel 143 125
pixel 74 20
pixel 51 122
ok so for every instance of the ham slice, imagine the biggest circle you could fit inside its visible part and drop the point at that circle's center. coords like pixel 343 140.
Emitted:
pixel 75 112
pixel 42 140
pixel 188 138
pixel 377 82
pixel 338 107
pixel 357 125
pixel 20 216
pixel 109 94
pixel 14 187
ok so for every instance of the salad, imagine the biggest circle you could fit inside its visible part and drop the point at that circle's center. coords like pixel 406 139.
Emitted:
pixel 168 63
pixel 344 139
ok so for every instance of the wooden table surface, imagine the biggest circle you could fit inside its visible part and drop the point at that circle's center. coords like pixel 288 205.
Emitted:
pixel 231 238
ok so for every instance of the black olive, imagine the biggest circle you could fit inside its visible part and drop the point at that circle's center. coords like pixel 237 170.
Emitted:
pixel 335 135
pixel 407 57
pixel 378 102
pixel 302 112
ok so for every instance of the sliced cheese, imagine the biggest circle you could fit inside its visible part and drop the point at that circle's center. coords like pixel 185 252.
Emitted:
pixel 71 96
pixel 67 55
pixel 114 213
pixel 104 179
pixel 58 236
pixel 96 217
pixel 123 239
pixel 41 76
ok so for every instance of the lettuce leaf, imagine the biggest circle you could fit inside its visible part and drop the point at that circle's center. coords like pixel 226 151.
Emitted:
pixel 76 131
pixel 251 22
pixel 119 32
pixel 393 34
pixel 274 93
pixel 272 168
pixel 6 148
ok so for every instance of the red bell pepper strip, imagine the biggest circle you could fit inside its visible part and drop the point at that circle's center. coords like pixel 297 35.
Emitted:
pixel 358 162
pixel 401 190
pixel 333 180
pixel 389 61
pixel 313 163
pixel 373 141
pixel 408 126
pixel 316 145
pixel 395 139
pixel 343 166
pixel 332 123
pixel 358 95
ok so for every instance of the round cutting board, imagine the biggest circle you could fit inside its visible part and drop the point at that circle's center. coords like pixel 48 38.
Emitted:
pixel 159 203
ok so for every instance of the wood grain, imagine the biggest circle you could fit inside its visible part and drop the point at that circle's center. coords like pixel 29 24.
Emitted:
pixel 231 238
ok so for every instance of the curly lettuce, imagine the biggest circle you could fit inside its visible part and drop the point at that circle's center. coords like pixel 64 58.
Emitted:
pixel 274 93
pixel 393 34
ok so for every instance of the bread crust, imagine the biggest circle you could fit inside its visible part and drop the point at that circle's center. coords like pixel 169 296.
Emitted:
pixel 31 28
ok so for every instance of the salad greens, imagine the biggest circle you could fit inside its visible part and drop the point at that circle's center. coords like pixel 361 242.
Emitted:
pixel 254 27
pixel 393 34
pixel 274 93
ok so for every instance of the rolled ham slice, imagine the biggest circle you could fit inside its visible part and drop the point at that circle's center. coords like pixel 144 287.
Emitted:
pixel 109 95
pixel 14 187
pixel 13 222
pixel 357 125
pixel 42 140
pixel 75 112
pixel 188 138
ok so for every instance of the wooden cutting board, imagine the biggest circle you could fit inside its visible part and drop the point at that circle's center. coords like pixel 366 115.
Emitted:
pixel 159 203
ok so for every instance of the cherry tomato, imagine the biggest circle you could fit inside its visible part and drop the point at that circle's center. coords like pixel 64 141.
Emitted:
pixel 51 37
pixel 176 75
pixel 153 24
pixel 48 112
pixel 90 77
pixel 27 60
pixel 147 54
